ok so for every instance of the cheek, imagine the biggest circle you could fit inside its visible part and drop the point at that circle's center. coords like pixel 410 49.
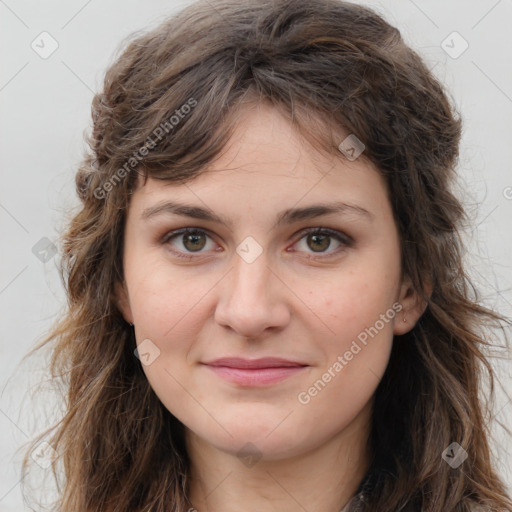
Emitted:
pixel 355 354
pixel 168 311
pixel 357 308
pixel 165 302
pixel 351 302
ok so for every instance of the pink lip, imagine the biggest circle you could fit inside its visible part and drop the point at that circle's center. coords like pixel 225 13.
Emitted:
pixel 255 372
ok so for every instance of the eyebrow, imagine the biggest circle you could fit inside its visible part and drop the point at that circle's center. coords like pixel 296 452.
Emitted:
pixel 288 216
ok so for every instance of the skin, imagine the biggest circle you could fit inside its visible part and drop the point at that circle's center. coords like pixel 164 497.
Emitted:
pixel 310 456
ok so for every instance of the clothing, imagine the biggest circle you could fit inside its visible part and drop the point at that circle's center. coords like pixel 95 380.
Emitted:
pixel 353 505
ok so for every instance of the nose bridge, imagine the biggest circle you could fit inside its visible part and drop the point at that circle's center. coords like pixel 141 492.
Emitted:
pixel 250 279
pixel 251 301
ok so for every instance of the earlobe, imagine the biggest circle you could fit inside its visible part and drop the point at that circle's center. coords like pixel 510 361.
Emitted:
pixel 122 301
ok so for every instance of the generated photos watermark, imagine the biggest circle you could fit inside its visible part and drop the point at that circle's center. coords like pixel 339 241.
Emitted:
pixel 151 142
pixel 304 397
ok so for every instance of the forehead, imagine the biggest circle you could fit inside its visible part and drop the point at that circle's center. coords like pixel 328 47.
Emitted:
pixel 267 164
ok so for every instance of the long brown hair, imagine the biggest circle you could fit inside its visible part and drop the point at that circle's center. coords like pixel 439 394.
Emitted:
pixel 168 107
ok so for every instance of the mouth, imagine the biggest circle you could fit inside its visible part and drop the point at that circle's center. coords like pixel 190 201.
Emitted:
pixel 255 372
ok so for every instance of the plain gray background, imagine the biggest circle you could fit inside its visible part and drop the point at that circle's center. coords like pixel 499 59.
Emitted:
pixel 45 108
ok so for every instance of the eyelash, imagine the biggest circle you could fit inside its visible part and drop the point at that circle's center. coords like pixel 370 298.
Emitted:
pixel 342 238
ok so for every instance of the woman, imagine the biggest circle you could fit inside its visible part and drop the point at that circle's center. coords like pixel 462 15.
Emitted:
pixel 268 308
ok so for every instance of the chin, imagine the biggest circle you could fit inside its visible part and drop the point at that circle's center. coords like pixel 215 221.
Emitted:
pixel 251 450
pixel 269 440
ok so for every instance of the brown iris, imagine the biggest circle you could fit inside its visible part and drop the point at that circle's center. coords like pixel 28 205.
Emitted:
pixel 193 242
pixel 322 242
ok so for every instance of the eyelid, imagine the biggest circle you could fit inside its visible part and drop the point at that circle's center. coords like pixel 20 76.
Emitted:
pixel 335 233
pixel 181 231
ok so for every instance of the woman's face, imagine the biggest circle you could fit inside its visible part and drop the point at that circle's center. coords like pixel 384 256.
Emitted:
pixel 250 282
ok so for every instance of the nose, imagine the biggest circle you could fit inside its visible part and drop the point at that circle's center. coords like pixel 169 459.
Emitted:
pixel 253 298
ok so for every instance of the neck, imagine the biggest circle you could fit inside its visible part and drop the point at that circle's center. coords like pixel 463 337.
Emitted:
pixel 322 479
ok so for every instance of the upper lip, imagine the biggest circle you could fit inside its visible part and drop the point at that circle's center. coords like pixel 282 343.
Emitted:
pixel 263 362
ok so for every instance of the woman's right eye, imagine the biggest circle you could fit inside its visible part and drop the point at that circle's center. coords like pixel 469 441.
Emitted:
pixel 185 242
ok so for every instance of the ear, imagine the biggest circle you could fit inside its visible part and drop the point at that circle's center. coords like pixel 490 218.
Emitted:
pixel 122 301
pixel 413 306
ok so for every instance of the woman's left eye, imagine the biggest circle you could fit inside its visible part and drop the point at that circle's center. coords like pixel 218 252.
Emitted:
pixel 194 240
pixel 319 239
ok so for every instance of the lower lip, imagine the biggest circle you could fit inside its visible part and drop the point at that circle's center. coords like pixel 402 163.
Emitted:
pixel 255 376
